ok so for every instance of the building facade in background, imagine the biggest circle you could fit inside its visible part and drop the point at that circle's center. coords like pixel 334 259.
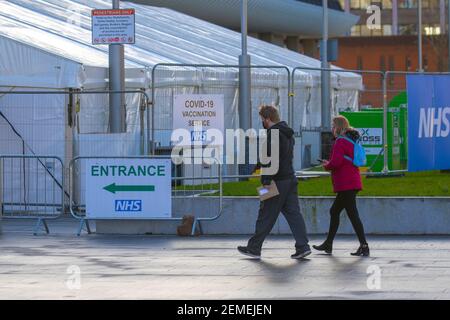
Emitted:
pixel 393 44
pixel 365 41
pixel 293 24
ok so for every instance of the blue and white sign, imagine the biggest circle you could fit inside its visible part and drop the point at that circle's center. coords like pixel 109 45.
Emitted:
pixel 128 188
pixel 428 122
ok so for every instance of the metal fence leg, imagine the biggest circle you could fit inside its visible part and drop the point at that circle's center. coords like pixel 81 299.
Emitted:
pixel 88 228
pixel 38 224
pixel 196 225
pixel 80 228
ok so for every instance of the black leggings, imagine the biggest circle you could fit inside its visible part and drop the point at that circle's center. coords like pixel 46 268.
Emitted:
pixel 346 200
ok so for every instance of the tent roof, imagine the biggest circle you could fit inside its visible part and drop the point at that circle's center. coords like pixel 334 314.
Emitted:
pixel 63 28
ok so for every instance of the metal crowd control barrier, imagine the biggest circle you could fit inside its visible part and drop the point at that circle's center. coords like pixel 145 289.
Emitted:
pixel 32 187
pixel 219 84
pixel 393 86
pixel 186 191
pixel 371 93
pixel 22 134
pixel 144 103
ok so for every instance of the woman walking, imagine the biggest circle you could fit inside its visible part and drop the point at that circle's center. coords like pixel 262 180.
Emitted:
pixel 346 183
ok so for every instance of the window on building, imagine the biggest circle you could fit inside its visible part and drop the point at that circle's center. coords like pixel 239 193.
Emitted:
pixel 407 4
pixel 431 30
pixel 407 29
pixel 356 31
pixel 360 4
pixel 364 4
pixel 365 31
pixel 391 68
pixel 354 4
pixel 440 64
pixel 391 63
pixel 377 32
pixel 386 4
pixel 408 63
pixel 382 63
pixel 387 29
pixel 359 63
pixel 431 4
pixel 382 67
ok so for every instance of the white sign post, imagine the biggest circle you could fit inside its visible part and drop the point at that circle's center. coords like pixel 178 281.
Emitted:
pixel 128 188
pixel 193 111
pixel 113 26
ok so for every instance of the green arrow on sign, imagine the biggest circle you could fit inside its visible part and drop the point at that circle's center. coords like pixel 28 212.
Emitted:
pixel 113 188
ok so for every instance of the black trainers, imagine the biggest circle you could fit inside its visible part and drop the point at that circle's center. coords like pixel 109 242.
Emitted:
pixel 363 250
pixel 300 254
pixel 327 247
pixel 247 252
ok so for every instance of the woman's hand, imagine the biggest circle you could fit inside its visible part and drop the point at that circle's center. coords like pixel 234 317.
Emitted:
pixel 324 164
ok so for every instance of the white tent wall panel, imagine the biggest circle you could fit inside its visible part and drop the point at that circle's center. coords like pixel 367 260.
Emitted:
pixel 40 121
pixel 39 118
pixel 25 66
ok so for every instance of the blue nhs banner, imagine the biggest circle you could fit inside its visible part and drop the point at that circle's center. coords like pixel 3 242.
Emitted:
pixel 428 122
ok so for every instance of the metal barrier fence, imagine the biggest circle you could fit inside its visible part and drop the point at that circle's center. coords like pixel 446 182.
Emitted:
pixel 62 123
pixel 31 187
pixel 28 128
pixel 34 116
pixel 269 85
pixel 350 90
pixel 190 183
pixel 394 96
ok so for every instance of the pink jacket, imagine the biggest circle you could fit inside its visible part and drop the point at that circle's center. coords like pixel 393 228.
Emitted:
pixel 344 174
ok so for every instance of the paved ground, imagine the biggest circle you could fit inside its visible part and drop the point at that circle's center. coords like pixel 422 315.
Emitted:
pixel 153 267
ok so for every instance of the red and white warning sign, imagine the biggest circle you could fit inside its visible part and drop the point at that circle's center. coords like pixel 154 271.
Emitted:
pixel 113 26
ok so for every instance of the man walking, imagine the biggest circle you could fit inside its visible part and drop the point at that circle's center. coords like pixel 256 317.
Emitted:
pixel 286 182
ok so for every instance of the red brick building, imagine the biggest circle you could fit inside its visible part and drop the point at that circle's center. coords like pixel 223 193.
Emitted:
pixel 395 53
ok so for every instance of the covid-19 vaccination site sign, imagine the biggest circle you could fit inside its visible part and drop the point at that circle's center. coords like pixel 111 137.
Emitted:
pixel 428 122
pixel 128 188
pixel 198 113
pixel 113 26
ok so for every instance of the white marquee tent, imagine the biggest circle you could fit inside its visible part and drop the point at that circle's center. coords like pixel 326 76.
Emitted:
pixel 46 45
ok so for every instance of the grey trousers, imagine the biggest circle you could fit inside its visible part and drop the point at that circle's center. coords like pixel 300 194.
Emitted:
pixel 269 210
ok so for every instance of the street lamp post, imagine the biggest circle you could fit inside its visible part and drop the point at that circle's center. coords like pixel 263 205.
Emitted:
pixel 116 83
pixel 419 34
pixel 325 135
pixel 244 87
pixel 244 73
pixel 325 76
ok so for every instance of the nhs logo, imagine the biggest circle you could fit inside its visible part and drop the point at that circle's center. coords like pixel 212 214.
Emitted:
pixel 434 122
pixel 198 136
pixel 128 205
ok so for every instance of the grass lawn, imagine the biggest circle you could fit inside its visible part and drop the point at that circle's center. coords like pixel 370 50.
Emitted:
pixel 432 183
